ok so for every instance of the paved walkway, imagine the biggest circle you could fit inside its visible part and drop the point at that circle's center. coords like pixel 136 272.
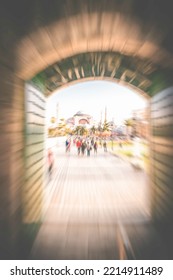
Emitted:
pixel 92 206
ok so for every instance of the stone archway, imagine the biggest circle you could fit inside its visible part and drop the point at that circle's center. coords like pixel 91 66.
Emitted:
pixel 36 35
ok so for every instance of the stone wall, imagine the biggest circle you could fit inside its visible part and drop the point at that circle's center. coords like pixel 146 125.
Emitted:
pixel 11 160
pixel 162 158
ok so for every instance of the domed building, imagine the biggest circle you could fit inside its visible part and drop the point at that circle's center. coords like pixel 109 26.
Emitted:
pixel 81 118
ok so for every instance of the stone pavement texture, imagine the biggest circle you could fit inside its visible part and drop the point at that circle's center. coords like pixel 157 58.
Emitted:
pixel 96 207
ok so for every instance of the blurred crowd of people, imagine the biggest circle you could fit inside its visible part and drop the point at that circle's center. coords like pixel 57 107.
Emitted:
pixel 85 145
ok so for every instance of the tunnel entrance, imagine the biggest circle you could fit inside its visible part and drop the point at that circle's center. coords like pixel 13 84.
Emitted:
pixel 118 41
pixel 83 190
pixel 36 101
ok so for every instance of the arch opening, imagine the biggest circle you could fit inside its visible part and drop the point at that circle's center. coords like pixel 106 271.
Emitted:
pixel 32 43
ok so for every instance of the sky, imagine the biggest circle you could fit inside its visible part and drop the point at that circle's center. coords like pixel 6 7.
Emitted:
pixel 92 97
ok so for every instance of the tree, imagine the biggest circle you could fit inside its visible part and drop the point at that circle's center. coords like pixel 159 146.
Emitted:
pixel 61 128
pixel 99 128
pixel 83 130
pixel 93 129
pixel 106 126
pixel 53 120
pixel 68 130
pixel 80 130
pixel 77 130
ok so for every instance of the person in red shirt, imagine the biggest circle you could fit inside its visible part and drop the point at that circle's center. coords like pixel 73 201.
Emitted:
pixel 78 145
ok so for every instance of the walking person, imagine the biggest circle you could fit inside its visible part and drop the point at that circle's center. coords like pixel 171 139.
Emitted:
pixel 74 141
pixel 92 142
pixel 78 145
pixel 105 146
pixel 88 149
pixel 120 143
pixel 69 145
pixel 66 144
pixel 50 162
pixel 95 147
pixel 83 147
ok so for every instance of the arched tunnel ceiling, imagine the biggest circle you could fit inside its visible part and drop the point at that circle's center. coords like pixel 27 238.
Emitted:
pixel 89 36
pixel 132 71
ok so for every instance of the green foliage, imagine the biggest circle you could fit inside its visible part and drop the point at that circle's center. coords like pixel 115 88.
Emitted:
pixel 53 120
pixel 127 153
pixel 106 126
pixel 80 130
pixel 128 122
pixel 93 129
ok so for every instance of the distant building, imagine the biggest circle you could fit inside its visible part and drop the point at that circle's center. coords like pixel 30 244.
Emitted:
pixel 120 130
pixel 80 118
pixel 112 125
pixel 70 122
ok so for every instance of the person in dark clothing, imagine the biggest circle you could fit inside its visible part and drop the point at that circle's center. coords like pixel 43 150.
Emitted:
pixel 105 146
pixel 88 149
pixel 95 147
pixel 83 147
pixel 50 162
pixel 66 145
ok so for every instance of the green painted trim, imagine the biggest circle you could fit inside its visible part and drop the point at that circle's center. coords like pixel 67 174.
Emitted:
pixel 39 81
pixel 160 81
